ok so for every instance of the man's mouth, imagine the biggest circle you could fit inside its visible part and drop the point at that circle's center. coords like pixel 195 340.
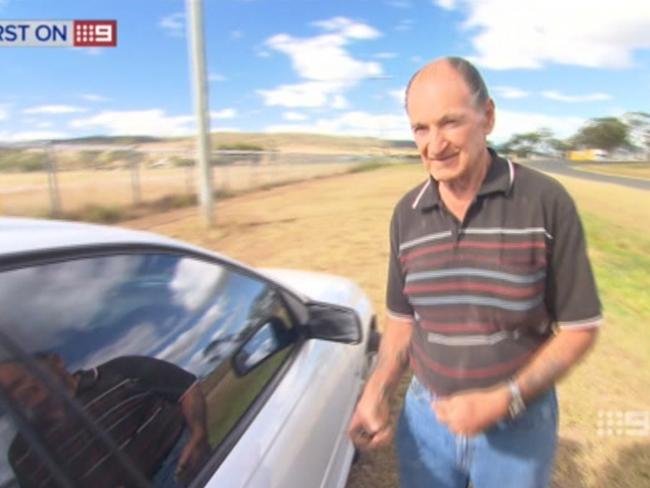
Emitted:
pixel 444 159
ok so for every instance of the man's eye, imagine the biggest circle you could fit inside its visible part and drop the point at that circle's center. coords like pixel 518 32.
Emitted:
pixel 419 129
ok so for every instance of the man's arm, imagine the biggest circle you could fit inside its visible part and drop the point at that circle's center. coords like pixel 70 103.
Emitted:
pixel 193 407
pixel 370 424
pixel 554 360
pixel 474 411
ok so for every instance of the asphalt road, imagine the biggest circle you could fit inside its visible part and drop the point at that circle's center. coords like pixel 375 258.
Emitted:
pixel 565 169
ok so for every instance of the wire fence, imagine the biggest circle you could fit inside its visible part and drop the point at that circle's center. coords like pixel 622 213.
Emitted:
pixel 52 181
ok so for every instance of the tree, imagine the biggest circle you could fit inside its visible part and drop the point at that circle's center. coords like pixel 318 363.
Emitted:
pixel 605 133
pixel 524 144
pixel 639 123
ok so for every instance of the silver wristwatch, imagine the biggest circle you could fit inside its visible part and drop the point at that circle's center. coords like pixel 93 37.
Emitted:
pixel 516 405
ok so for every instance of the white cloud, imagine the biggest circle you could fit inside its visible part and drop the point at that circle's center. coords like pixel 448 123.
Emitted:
pixel 509 92
pixel 236 34
pixel 53 109
pixel 398 95
pixel 4 112
pixel 445 4
pixel 386 126
pixel 226 113
pixel 30 135
pixel 340 102
pixel 294 116
pixel 327 68
pixel 385 55
pixel 217 77
pixel 509 34
pixel 589 97
pixel 348 28
pixel 138 122
pixel 404 25
pixel 174 24
pixel 511 122
pixel 91 97
pixel 311 94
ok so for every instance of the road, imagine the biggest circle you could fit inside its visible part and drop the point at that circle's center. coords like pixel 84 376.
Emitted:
pixel 565 169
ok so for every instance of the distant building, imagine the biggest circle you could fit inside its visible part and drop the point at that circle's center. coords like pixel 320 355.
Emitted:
pixel 587 155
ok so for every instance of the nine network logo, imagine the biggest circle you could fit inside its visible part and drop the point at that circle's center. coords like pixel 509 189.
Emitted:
pixel 58 33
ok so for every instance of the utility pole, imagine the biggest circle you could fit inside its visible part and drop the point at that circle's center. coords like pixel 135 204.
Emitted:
pixel 52 181
pixel 200 89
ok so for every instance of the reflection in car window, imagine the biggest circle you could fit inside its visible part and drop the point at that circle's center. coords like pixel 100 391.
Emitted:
pixel 164 325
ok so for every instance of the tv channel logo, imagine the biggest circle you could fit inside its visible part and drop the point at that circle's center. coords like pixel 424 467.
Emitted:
pixel 58 33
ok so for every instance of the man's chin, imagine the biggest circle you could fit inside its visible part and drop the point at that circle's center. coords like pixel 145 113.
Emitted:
pixel 442 175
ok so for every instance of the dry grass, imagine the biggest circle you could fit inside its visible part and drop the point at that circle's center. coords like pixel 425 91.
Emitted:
pixel 640 169
pixel 339 225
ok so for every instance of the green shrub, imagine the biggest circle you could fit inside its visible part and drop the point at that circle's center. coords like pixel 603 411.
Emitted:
pixel 19 160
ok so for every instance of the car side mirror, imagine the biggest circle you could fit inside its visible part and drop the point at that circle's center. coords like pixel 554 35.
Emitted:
pixel 333 323
pixel 271 337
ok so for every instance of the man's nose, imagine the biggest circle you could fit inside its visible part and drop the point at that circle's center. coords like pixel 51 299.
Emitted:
pixel 436 144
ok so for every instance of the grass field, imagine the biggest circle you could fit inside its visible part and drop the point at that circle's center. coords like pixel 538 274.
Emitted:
pixel 339 225
pixel 638 169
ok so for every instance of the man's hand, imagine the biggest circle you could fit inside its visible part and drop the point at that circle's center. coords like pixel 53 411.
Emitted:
pixel 370 426
pixel 196 449
pixel 191 458
pixel 471 412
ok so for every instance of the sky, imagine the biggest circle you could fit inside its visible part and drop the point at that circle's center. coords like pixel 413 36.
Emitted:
pixel 324 66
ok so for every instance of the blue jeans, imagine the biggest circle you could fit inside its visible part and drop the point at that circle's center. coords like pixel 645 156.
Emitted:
pixel 165 477
pixel 514 453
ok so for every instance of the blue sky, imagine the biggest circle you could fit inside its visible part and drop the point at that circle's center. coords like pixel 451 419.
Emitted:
pixel 326 66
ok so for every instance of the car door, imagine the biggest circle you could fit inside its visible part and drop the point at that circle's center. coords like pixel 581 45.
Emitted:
pixel 152 318
pixel 299 439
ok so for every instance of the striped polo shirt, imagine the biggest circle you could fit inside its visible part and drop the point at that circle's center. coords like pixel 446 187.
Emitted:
pixel 484 294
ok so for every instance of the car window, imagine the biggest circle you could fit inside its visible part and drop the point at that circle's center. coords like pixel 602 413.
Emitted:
pixel 144 344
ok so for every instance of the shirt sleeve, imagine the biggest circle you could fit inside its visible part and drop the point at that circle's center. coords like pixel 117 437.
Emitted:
pixel 571 294
pixel 163 377
pixel 396 301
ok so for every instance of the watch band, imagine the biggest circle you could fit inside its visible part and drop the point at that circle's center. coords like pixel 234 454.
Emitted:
pixel 516 405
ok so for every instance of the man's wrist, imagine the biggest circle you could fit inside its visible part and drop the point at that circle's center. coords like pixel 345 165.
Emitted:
pixel 516 405
pixel 502 394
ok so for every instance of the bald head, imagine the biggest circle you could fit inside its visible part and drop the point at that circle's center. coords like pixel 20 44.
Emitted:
pixel 455 67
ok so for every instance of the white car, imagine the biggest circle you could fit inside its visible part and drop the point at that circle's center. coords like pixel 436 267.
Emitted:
pixel 279 358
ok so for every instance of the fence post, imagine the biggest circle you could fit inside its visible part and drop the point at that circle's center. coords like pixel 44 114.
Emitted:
pixel 189 180
pixel 52 181
pixel 135 177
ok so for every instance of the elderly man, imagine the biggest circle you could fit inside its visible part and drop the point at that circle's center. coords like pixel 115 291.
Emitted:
pixel 490 299
pixel 152 409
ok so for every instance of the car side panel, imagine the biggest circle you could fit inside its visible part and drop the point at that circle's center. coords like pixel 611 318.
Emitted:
pixel 298 439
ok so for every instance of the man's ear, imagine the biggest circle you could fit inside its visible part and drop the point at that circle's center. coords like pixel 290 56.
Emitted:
pixel 490 116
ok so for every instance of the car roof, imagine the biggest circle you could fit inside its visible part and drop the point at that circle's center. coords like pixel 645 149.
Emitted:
pixel 21 235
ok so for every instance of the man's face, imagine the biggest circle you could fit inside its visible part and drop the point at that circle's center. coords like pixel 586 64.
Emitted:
pixel 29 392
pixel 449 129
